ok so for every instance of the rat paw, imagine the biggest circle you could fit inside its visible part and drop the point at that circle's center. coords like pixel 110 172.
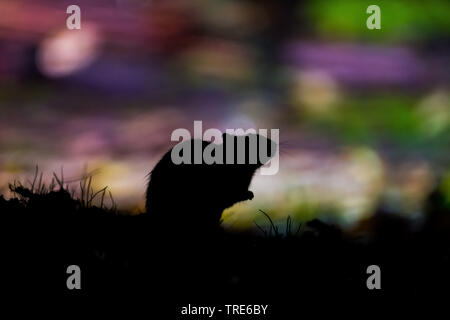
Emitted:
pixel 249 195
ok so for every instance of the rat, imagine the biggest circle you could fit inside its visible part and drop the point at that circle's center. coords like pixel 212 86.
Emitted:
pixel 191 197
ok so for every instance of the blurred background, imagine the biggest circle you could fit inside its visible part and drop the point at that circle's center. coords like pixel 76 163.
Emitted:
pixel 364 115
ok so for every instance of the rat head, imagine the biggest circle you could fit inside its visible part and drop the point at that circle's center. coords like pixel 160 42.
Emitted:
pixel 254 150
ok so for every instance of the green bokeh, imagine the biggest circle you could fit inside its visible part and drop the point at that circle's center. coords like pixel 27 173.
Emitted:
pixel 401 21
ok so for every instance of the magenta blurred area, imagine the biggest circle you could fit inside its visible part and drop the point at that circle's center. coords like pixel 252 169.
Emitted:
pixel 363 115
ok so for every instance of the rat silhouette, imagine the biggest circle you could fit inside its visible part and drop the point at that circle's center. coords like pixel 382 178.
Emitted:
pixel 191 197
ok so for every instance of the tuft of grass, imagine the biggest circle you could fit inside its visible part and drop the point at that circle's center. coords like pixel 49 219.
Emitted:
pixel 274 230
pixel 85 195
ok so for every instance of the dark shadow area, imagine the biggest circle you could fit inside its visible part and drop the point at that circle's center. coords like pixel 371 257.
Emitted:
pixel 45 231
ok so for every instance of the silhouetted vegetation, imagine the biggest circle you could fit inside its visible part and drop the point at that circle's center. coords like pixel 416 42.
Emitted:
pixel 48 228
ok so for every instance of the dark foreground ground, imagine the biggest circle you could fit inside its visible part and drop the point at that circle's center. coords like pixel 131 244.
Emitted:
pixel 130 257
